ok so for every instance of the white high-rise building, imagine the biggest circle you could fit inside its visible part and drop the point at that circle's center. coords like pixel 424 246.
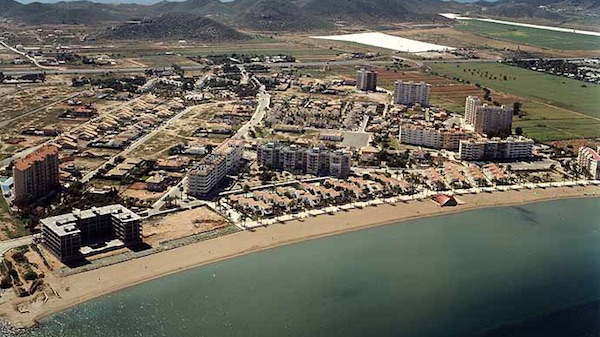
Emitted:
pixel 214 167
pixel 488 119
pixel 412 93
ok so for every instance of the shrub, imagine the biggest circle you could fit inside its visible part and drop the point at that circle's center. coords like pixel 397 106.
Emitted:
pixel 6 282
pixel 30 275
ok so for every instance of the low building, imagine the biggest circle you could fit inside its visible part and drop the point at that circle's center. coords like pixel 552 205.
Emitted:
pixel 156 183
pixel 588 160
pixel 64 235
pixel 511 148
pixel 335 136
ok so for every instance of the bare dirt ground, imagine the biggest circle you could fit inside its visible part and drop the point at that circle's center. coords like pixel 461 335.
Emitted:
pixel 181 224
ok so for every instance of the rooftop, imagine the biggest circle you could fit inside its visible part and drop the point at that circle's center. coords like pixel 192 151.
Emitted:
pixel 39 155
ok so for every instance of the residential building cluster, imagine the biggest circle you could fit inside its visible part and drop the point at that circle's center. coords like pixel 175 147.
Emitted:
pixel 589 160
pixel 213 168
pixel 64 235
pixel 293 158
pixel 310 113
pixel 123 126
pixel 265 203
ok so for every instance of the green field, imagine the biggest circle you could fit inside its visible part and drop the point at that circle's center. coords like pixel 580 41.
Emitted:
pixel 556 107
pixel 531 36
pixel 555 90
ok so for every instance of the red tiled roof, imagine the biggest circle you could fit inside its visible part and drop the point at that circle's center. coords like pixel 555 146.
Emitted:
pixel 39 155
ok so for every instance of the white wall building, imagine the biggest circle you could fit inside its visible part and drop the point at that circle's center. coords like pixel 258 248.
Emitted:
pixel 487 119
pixel 411 93
pixel 589 160
pixel 214 167
pixel 490 149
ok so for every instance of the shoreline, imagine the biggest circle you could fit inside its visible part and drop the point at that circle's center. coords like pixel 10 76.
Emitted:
pixel 78 288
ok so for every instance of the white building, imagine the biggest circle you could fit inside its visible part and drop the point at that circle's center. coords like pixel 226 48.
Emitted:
pixel 588 159
pixel 487 119
pixel 412 93
pixel 214 167
pixel 436 138
pixel 496 148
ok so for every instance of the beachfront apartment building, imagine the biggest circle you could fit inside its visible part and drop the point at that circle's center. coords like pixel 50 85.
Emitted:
pixel 432 137
pixel 211 170
pixel 36 175
pixel 294 158
pixel 410 93
pixel 366 80
pixel 589 160
pixel 488 120
pixel 514 147
pixel 64 235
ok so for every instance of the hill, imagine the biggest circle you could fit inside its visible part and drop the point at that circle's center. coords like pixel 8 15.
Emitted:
pixel 176 26
pixel 275 15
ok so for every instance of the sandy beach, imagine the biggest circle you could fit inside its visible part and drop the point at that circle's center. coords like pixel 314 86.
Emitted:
pixel 81 287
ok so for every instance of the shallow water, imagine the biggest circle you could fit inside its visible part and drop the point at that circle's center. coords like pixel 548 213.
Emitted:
pixel 463 274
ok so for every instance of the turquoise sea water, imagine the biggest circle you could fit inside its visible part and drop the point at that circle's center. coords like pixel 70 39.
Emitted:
pixel 514 271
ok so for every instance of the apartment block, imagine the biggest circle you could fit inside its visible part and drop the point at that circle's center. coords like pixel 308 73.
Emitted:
pixel 66 234
pixel 589 160
pixel 366 80
pixel 314 161
pixel 435 138
pixel 211 170
pixel 496 149
pixel 410 93
pixel 36 175
pixel 488 120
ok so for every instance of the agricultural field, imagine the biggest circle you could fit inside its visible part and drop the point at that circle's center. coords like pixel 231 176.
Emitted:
pixel 555 108
pixel 531 36
pixel 554 90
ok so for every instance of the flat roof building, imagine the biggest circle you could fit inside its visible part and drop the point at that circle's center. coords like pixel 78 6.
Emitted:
pixel 213 168
pixel 366 80
pixel 488 119
pixel 410 93
pixel 293 158
pixel 64 235
pixel 517 147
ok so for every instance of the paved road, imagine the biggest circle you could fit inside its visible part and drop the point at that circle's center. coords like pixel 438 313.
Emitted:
pixel 13 243
pixel 264 100
pixel 32 59
pixel 137 143
pixel 57 71
pixel 34 148
pixel 8 121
